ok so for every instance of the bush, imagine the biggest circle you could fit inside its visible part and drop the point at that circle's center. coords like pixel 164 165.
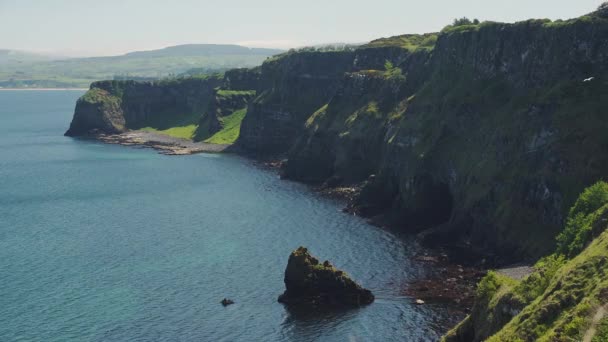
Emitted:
pixel 582 215
pixel 392 71
pixel 464 21
pixel 461 22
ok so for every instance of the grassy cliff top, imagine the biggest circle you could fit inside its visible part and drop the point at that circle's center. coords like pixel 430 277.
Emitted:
pixel 411 42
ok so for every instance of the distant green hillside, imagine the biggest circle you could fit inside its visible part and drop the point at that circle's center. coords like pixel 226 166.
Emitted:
pixel 20 70
pixel 15 56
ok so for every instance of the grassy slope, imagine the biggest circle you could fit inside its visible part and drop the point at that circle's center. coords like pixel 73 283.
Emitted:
pixel 411 42
pixel 231 128
pixel 180 126
pixel 184 132
pixel 564 299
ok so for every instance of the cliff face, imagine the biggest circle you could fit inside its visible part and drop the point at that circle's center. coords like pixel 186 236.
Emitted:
pixel 97 111
pixel 116 106
pixel 482 143
pixel 478 137
pixel 295 85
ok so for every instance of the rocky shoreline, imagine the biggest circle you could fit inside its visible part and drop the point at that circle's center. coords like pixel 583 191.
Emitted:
pixel 162 143
pixel 449 282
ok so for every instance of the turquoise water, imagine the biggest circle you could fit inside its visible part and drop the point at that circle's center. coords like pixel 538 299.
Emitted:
pixel 109 243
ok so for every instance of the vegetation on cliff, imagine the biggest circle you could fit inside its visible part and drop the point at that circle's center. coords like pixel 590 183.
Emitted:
pixel 564 299
pixel 411 42
pixel 231 128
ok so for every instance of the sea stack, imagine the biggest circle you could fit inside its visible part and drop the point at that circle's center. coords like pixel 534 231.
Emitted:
pixel 309 282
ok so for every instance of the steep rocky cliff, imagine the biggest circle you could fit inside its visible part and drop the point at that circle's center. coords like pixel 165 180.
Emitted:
pixel 296 84
pixel 481 142
pixel 478 137
pixel 116 106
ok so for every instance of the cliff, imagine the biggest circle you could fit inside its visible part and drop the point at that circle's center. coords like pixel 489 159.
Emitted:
pixel 296 84
pixel 477 138
pixel 117 106
pixel 481 142
pixel 563 300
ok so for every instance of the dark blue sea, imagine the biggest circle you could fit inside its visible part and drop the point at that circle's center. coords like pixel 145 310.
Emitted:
pixel 110 243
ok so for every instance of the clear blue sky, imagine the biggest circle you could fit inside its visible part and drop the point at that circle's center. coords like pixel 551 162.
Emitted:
pixel 105 27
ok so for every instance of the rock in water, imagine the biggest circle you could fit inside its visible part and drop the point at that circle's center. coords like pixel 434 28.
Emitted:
pixel 309 282
pixel 226 302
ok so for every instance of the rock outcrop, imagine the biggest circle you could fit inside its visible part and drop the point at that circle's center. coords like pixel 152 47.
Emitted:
pixel 309 282
pixel 112 107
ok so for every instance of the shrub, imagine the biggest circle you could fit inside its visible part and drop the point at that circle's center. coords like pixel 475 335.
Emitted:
pixel 392 71
pixel 577 233
pixel 464 21
pixel 461 23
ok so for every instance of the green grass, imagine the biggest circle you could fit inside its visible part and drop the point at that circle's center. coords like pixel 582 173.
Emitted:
pixel 176 125
pixel 558 301
pixel 228 135
pixel 231 128
pixel 411 42
pixel 184 132
pixel 579 226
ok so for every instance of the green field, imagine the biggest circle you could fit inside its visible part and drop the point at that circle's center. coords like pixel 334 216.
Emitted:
pixel 231 128
pixel 23 71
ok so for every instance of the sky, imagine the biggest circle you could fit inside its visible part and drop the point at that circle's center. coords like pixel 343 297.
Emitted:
pixel 111 27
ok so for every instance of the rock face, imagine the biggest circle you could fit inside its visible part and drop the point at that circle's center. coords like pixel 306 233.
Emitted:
pixel 294 85
pixel 98 111
pixel 116 106
pixel 478 138
pixel 483 143
pixel 309 282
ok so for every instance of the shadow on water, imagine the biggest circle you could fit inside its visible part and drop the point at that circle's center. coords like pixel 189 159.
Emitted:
pixel 306 322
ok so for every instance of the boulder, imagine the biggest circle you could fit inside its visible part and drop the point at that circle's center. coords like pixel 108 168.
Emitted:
pixel 309 282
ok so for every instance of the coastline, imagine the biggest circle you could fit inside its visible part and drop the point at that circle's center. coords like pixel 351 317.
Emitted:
pixel 162 143
pixel 447 282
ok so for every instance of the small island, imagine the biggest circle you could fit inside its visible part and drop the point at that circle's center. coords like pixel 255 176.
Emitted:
pixel 311 283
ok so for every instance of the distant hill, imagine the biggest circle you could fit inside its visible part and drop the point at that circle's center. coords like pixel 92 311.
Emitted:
pixel 27 70
pixel 203 50
pixel 16 56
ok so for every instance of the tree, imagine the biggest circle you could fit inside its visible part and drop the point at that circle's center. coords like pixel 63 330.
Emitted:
pixel 602 10
pixel 465 21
